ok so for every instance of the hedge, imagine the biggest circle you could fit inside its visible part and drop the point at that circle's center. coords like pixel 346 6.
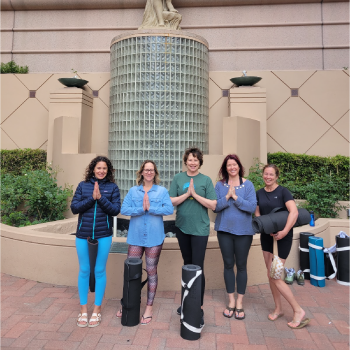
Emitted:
pixel 302 168
pixel 12 67
pixel 17 161
pixel 322 181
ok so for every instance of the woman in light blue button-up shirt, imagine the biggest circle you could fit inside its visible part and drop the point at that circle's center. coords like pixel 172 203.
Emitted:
pixel 146 204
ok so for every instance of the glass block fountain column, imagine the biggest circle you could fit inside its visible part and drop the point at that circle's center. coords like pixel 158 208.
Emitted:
pixel 158 101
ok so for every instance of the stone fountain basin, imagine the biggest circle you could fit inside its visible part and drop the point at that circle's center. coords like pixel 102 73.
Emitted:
pixel 46 253
pixel 245 81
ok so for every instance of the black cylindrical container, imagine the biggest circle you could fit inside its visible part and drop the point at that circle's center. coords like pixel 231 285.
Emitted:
pixel 328 266
pixel 131 292
pixel 191 312
pixel 304 256
pixel 343 258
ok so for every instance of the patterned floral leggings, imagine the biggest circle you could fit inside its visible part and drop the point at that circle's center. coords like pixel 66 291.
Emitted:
pixel 152 258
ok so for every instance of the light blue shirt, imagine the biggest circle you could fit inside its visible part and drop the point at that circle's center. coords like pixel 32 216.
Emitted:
pixel 146 228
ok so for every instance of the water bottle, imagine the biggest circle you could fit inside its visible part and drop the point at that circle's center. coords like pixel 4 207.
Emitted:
pixel 312 221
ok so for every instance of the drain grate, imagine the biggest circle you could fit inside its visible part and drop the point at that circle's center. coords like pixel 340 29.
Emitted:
pixel 118 247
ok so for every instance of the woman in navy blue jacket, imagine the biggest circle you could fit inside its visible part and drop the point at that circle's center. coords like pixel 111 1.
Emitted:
pixel 96 200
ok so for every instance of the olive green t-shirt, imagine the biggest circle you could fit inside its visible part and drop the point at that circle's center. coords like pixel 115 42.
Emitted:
pixel 191 216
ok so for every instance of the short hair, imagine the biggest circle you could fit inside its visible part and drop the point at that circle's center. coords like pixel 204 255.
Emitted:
pixel 273 166
pixel 139 176
pixel 89 171
pixel 196 152
pixel 223 174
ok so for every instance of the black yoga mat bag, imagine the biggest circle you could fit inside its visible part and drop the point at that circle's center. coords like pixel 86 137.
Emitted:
pixel 276 220
pixel 191 312
pixel 93 249
pixel 304 253
pixel 132 292
pixel 343 254
pixel 330 265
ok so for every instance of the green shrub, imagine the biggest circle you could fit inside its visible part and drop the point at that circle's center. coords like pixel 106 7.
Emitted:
pixel 46 200
pixel 22 160
pixel 321 181
pixel 14 191
pixel 303 169
pixel 32 198
pixel 12 67
pixel 255 175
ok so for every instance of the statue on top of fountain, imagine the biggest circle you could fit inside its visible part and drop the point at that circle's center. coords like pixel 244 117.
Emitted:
pixel 160 14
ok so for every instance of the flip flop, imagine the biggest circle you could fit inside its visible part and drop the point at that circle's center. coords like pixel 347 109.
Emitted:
pixel 239 311
pixel 277 316
pixel 233 309
pixel 301 324
pixel 145 318
pixel 121 313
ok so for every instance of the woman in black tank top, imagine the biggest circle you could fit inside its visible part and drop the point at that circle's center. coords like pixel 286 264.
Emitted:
pixel 269 198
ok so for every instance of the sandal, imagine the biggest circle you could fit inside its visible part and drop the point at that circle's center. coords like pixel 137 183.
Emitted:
pixel 230 309
pixel 82 318
pixel 145 318
pixel 275 316
pixel 119 313
pixel 239 311
pixel 301 324
pixel 95 318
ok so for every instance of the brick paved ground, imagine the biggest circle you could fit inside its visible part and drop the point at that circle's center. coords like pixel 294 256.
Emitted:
pixel 43 316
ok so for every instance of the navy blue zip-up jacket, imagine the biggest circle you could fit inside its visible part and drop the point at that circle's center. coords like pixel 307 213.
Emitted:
pixel 95 216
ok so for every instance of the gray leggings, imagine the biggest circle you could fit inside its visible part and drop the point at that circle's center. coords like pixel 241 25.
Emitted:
pixel 235 248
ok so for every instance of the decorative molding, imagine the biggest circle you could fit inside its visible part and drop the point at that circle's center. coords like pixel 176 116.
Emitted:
pixel 271 48
pixel 211 26
pixel 35 5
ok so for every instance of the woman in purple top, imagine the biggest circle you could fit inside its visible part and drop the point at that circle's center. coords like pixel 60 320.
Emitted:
pixel 235 204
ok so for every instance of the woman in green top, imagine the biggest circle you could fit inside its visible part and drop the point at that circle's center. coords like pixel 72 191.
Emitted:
pixel 193 193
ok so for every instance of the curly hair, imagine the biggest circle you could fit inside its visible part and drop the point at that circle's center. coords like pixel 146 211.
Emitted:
pixel 139 176
pixel 196 153
pixel 223 174
pixel 89 172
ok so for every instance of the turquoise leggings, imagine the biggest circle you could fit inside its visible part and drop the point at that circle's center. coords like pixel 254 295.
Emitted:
pixel 104 245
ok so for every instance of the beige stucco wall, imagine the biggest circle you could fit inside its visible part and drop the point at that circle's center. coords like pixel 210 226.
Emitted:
pixel 316 122
pixel 55 36
pixel 47 253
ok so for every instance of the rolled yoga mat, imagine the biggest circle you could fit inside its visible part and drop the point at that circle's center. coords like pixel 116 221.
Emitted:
pixel 343 255
pixel 316 255
pixel 304 253
pixel 276 221
pixel 330 268
pixel 131 300
pixel 191 313
pixel 93 249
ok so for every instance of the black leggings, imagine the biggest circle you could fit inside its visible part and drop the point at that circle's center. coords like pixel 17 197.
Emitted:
pixel 235 247
pixel 193 252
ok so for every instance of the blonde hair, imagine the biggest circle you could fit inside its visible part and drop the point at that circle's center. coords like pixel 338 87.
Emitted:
pixel 139 176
